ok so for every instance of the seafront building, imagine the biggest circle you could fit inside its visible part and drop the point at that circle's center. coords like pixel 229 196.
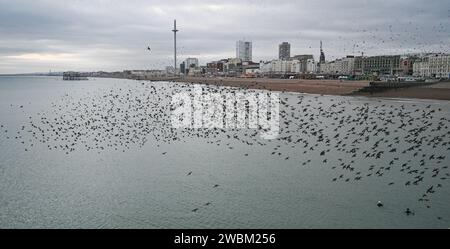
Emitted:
pixel 284 51
pixel 328 68
pixel 276 67
pixel 244 50
pixel 433 66
pixel 421 68
pixel 439 66
pixel 250 68
pixel 215 67
pixel 233 67
pixel 377 65
pixel 291 67
pixel 344 66
pixel 305 64
pixel 384 65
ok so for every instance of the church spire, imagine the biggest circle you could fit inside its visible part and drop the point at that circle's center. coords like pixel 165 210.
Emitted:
pixel 322 54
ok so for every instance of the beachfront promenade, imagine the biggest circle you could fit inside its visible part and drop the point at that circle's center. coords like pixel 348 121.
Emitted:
pixel 438 90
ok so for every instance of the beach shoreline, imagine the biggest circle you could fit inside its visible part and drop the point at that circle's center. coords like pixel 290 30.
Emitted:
pixel 438 91
pixel 325 87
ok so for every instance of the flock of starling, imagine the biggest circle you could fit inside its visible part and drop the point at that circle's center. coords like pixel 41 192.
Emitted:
pixel 355 139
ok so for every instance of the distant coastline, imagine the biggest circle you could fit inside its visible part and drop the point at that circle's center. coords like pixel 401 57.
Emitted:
pixel 31 74
pixel 436 91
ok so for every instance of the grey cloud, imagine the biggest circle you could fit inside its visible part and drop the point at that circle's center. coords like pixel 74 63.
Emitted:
pixel 112 34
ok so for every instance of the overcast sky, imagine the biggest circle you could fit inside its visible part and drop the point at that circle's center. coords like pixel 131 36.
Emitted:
pixel 91 35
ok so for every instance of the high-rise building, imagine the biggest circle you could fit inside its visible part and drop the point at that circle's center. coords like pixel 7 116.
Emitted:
pixel 244 50
pixel 284 51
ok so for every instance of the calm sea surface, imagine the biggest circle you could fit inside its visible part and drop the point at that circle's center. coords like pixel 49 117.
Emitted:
pixel 102 154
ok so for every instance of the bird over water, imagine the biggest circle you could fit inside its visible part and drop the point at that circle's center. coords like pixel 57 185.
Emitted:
pixel 404 145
